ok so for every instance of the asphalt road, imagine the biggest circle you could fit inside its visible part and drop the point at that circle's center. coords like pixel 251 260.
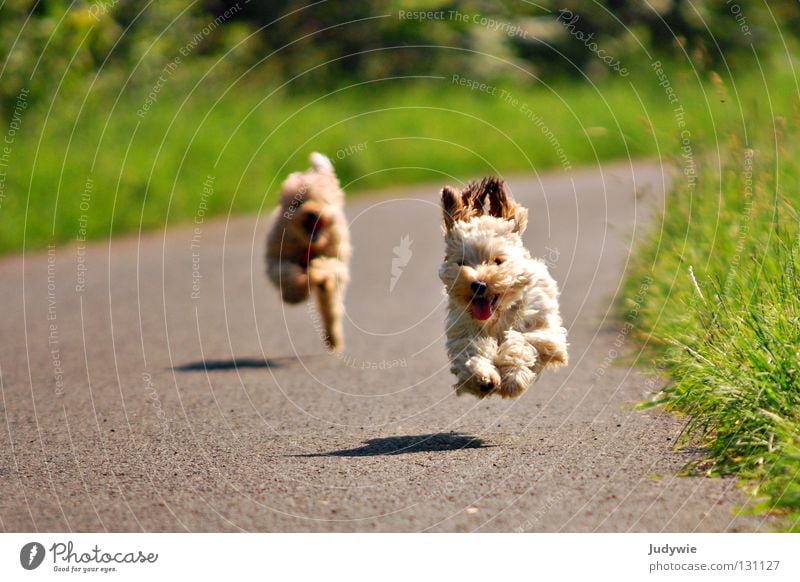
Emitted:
pixel 157 383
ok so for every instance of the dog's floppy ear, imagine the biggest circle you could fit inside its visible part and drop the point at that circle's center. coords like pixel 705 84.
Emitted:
pixel 452 208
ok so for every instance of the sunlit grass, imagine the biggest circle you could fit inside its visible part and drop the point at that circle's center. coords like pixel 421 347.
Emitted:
pixel 145 169
pixel 722 316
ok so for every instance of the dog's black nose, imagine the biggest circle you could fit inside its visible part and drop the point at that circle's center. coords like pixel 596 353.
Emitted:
pixel 479 288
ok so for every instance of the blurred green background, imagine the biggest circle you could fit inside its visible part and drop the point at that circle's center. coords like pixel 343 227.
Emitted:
pixel 118 111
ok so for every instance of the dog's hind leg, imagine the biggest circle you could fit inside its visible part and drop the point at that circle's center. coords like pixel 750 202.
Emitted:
pixel 329 277
pixel 291 279
pixel 551 345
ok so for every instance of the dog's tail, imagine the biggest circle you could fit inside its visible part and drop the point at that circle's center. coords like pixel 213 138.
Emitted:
pixel 321 163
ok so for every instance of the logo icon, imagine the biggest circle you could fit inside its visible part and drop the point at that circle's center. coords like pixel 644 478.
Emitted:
pixel 31 555
pixel 402 255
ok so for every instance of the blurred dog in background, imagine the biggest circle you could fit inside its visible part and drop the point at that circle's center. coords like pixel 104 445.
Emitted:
pixel 308 247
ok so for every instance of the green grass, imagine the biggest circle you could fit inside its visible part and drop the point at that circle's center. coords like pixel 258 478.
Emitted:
pixel 722 314
pixel 148 172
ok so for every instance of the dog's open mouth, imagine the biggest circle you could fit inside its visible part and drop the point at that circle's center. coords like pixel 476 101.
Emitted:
pixel 314 225
pixel 483 307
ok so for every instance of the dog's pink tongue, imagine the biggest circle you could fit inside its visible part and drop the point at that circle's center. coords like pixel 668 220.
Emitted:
pixel 481 309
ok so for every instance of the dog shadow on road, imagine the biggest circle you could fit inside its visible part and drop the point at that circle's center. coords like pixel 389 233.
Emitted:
pixel 209 365
pixel 400 445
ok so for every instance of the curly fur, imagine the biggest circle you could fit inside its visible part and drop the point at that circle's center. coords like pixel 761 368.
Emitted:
pixel 308 247
pixel 503 322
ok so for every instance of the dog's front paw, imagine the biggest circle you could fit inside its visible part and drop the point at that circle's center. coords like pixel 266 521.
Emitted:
pixel 473 386
pixel 517 361
pixel 516 352
pixel 515 381
pixel 483 377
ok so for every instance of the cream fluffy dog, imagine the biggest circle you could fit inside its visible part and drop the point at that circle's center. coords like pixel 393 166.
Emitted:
pixel 309 245
pixel 503 322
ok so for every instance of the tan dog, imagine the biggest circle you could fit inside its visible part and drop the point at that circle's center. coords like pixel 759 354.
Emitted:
pixel 503 322
pixel 309 244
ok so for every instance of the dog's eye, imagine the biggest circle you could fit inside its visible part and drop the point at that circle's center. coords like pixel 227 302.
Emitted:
pixel 460 262
pixel 498 261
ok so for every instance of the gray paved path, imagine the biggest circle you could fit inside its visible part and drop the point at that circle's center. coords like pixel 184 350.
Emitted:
pixel 275 435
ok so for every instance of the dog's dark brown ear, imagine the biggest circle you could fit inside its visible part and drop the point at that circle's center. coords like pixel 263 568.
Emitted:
pixel 501 204
pixel 473 198
pixel 451 207
pixel 498 198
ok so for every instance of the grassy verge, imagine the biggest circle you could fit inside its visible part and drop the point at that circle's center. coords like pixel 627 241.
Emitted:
pixel 90 162
pixel 722 314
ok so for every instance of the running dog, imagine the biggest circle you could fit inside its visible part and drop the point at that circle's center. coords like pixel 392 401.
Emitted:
pixel 503 322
